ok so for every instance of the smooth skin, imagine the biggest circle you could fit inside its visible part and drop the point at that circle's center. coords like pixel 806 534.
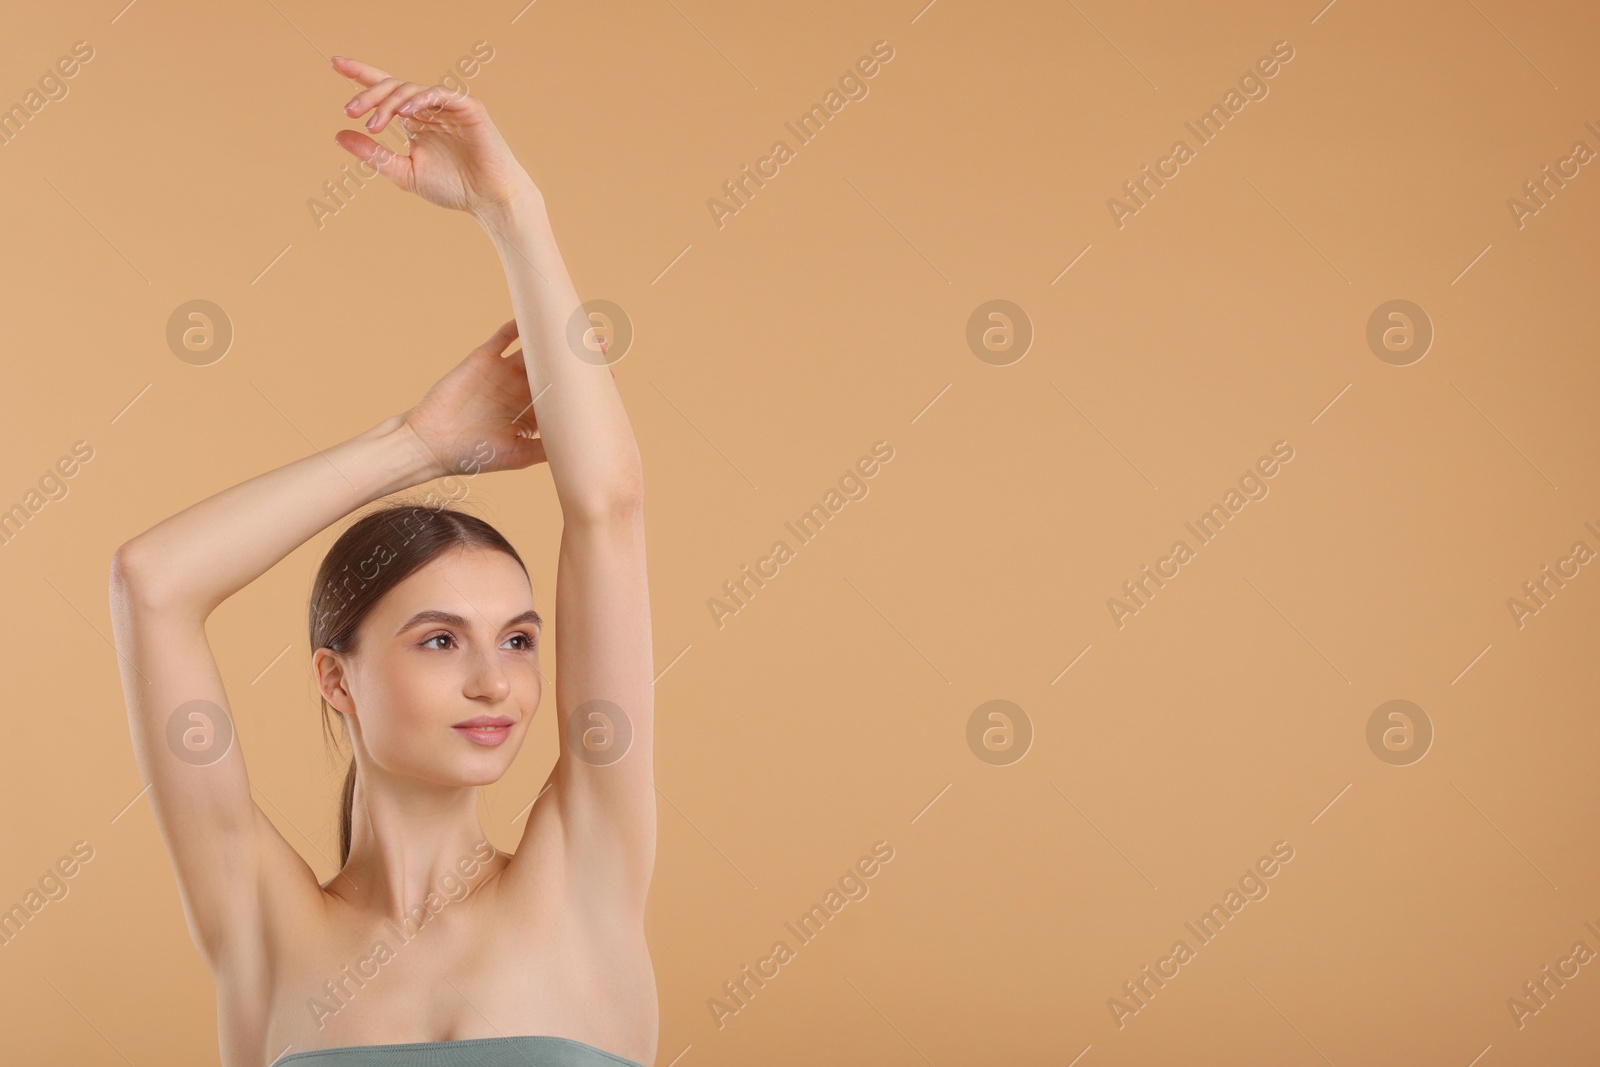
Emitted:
pixel 550 939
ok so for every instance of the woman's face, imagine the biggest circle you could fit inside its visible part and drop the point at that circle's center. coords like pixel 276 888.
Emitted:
pixel 445 676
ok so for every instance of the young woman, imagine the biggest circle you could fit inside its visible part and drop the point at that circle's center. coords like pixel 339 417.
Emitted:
pixel 429 946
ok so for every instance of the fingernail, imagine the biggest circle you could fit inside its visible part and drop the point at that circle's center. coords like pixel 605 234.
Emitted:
pixel 352 103
pixel 372 122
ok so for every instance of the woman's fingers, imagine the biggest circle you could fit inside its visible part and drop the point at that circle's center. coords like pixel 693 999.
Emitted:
pixel 387 105
pixel 370 95
pixel 435 99
pixel 525 452
pixel 502 337
pixel 364 73
pixel 397 168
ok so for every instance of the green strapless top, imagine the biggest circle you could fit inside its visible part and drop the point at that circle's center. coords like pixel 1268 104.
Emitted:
pixel 530 1051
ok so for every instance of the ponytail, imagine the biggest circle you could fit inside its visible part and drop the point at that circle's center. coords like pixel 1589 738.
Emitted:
pixel 346 804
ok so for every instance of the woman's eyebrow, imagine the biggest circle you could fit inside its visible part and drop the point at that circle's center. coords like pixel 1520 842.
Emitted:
pixel 447 618
pixel 527 616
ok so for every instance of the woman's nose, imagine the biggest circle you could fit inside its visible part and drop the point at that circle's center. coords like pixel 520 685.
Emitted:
pixel 489 678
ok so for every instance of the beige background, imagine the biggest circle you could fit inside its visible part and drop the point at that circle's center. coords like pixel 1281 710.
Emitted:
pixel 828 314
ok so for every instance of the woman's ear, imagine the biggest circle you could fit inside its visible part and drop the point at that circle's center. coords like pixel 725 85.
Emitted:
pixel 329 668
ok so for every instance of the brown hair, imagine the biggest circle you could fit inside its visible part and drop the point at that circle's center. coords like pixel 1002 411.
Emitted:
pixel 370 558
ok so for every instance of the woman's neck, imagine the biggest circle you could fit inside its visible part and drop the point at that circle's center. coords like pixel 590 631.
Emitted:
pixel 413 846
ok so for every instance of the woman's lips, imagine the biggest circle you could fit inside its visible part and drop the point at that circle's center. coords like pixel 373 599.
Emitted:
pixel 484 735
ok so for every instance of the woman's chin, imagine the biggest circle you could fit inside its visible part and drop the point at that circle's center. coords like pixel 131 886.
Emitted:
pixel 485 766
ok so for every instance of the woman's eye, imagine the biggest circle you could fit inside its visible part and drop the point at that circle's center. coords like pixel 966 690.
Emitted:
pixel 525 644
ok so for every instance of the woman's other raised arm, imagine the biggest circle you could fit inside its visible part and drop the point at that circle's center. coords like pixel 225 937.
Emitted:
pixel 603 788
pixel 232 865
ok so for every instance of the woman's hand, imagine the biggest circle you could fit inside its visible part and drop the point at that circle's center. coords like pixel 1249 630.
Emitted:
pixel 457 157
pixel 479 417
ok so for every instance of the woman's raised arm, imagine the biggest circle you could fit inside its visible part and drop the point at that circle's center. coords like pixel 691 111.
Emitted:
pixel 196 559
pixel 459 160
pixel 603 787
pixel 232 865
